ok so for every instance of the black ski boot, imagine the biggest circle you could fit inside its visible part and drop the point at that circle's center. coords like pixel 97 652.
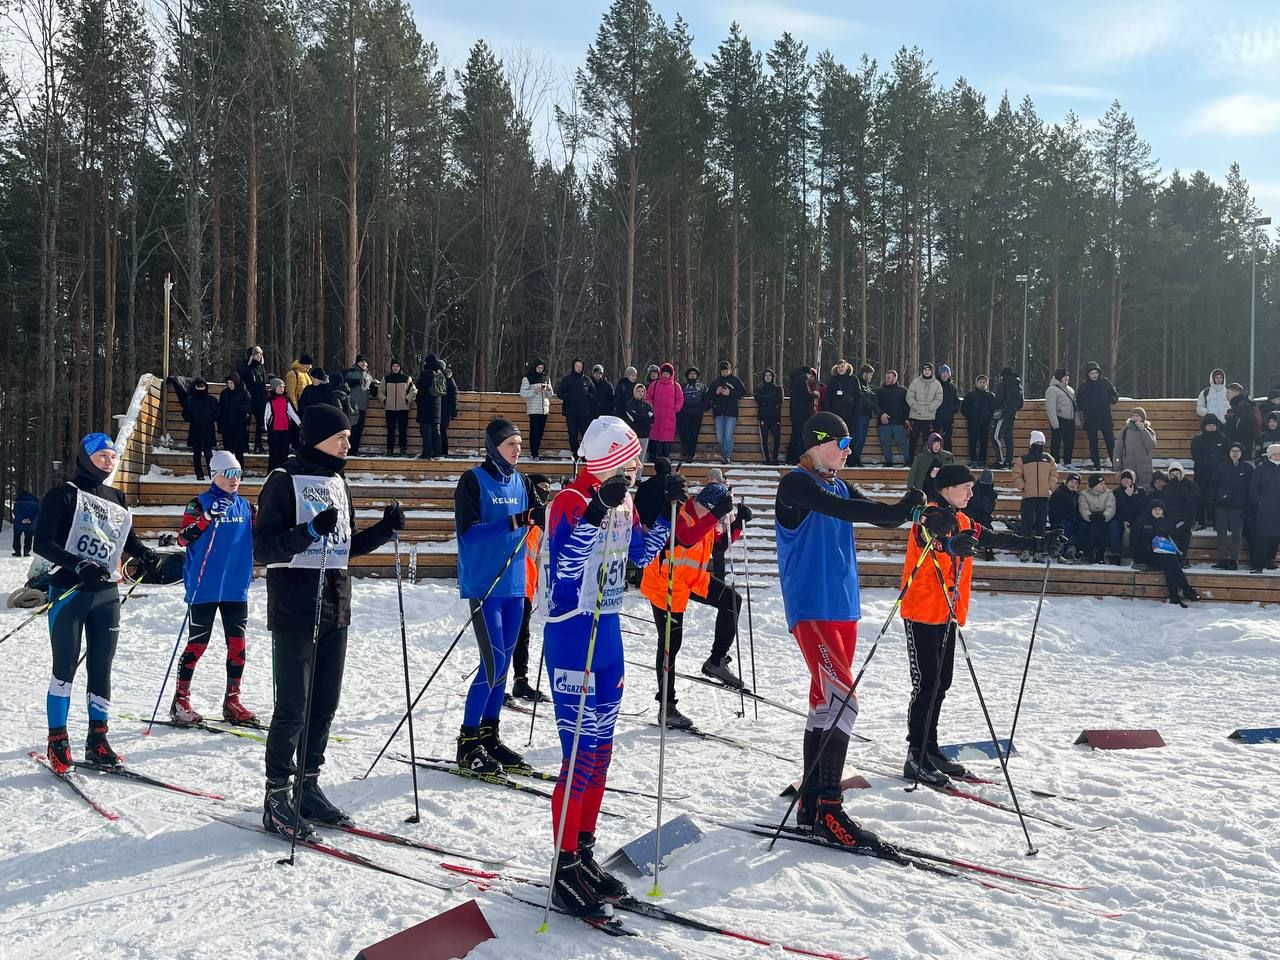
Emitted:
pixel 605 884
pixel 59 750
pixel 719 670
pixel 935 758
pixel 573 893
pixel 316 806
pixel 920 770
pixel 675 719
pixel 835 826
pixel 97 752
pixel 277 812
pixel 493 745
pixel 521 690
pixel 473 756
pixel 807 806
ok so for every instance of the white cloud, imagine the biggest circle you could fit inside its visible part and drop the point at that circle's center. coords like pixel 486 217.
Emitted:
pixel 1237 115
pixel 764 22
pixel 1247 52
pixel 1110 35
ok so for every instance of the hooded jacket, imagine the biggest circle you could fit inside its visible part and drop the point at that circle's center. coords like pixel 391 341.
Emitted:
pixel 576 392
pixel 844 396
pixel 1059 403
pixel 1008 394
pixel 296 380
pixel 253 377
pixel 1103 503
pixel 950 405
pixel 726 405
pixel 1209 447
pixel 1133 450
pixel 1130 507
pixel 1095 398
pixel 695 398
pixel 978 407
pixel 804 396
pixel 924 396
pixel 1213 398
pixel 235 408
pixel 536 389
pixel 667 399
pixel 1147 528
pixel 1242 422
pixel 769 397
pixel 201 411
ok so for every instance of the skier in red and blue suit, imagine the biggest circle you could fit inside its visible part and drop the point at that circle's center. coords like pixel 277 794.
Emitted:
pixel 592 531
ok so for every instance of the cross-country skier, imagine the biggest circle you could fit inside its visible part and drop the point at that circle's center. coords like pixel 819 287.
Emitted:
pixel 217 531
pixel 493 508
pixel 592 531
pixel 84 529
pixel 926 614
pixel 303 503
pixel 818 567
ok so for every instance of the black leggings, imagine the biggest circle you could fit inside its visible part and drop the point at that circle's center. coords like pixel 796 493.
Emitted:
pixel 95 616
pixel 576 427
pixel 1174 579
pixel 278 442
pixel 235 618
pixel 689 428
pixel 770 439
pixel 520 655
pixel 199 451
pixel 291 658
pixel 537 427
pixel 727 602
pixel 931 654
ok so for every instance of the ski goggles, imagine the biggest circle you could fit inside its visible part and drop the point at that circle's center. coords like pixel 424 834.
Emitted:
pixel 233 474
pixel 842 442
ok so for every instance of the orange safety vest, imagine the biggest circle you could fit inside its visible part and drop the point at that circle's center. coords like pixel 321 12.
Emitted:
pixel 532 554
pixel 924 601
pixel 691 573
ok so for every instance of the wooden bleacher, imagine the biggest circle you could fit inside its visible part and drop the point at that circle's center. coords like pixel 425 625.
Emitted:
pixel 160 482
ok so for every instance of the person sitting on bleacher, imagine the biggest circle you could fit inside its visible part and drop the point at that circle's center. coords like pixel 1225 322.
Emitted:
pixel 1154 549
pixel 1131 504
pixel 1097 510
pixel 1064 513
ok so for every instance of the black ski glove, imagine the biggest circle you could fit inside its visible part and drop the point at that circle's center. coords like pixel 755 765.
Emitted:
pixel 1098 517
pixel 392 516
pixel 608 495
pixel 675 489
pixel 962 544
pixel 91 574
pixel 723 506
pixel 744 512
pixel 323 524
pixel 939 522
pixel 525 518
pixel 913 498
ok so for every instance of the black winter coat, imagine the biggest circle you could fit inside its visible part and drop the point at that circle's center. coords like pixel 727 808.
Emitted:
pixel 803 396
pixel 870 405
pixel 577 395
pixel 639 414
pixel 327 392
pixel 235 407
pixel 950 405
pixel 893 401
pixel 201 411
pixel 602 397
pixel 622 394
pixel 1144 531
pixel 1264 494
pixel 695 401
pixel 978 407
pixel 844 397
pixel 1241 423
pixel 1130 508
pixel 727 405
pixel 1094 399
pixel 1208 451
pixel 1008 396
pixel 1064 506
pixel 1181 500
pixel 1229 485
pixel 982 506
pixel 253 377
pixel 277 537
pixel 429 407
pixel 769 401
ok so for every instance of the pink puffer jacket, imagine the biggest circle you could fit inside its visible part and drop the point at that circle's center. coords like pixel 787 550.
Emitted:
pixel 666 398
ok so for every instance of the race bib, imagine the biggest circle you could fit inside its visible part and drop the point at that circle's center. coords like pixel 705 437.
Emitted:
pixel 614 547
pixel 98 531
pixel 314 495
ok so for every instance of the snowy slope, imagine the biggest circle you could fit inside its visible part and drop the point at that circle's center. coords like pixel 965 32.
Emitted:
pixel 1190 853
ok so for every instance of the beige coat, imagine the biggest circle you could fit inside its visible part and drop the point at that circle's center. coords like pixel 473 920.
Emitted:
pixel 1035 479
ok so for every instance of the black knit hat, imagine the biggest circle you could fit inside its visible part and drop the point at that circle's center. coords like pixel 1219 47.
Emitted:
pixel 952 475
pixel 318 375
pixel 499 430
pixel 1092 365
pixel 320 421
pixel 822 427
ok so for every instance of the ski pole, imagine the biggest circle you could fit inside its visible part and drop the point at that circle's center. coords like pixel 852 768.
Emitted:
pixel 973 675
pixel 186 620
pixel 404 649
pixel 537 689
pixel 666 693
pixel 301 758
pixel 751 635
pixel 474 611
pixel 737 632
pixel 1026 667
pixel 132 587
pixel 577 726
pixel 42 611
pixel 853 687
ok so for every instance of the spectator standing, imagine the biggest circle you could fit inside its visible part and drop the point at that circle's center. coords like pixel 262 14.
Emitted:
pixel 361 386
pixel 201 411
pixel 1131 504
pixel 1271 404
pixel 1035 474
pixel 1153 547
pixel 891 398
pixel 1064 513
pixel 235 410
pixel 689 421
pixel 537 392
pixel 577 401
pixel 625 390
pixel 805 397
pixel 638 415
pixel 844 397
pixel 1098 510
pixel 924 397
pixel 449 409
pixel 433 388
pixel 1208 452
pixel 1094 400
pixel 399 391
pixel 667 400
pixel 1134 448
pixel 602 393
pixel 280 417
pixel 1008 401
pixel 945 419
pixel 650 375
pixel 253 377
pixel 1228 497
pixel 1060 405
pixel 1213 398
pixel 869 410
pixel 769 413
pixel 977 408
pixel 1271 430
pixel 26 511
pixel 298 378
pixel 1242 419
pixel 726 391
pixel 1264 496
pixel 320 391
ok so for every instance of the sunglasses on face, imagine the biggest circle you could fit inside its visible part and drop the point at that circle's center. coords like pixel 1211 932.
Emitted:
pixel 842 442
pixel 233 474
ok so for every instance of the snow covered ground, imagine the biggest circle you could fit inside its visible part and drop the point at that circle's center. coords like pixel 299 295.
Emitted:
pixel 1189 853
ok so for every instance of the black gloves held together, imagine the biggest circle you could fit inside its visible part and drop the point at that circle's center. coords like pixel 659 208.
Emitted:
pixel 91 574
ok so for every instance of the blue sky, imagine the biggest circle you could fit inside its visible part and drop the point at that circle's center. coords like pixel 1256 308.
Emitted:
pixel 1202 80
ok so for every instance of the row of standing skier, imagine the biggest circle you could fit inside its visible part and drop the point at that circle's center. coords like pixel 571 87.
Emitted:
pixel 304 531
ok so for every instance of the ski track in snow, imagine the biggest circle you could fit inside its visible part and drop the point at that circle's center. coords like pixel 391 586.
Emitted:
pixel 1190 854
